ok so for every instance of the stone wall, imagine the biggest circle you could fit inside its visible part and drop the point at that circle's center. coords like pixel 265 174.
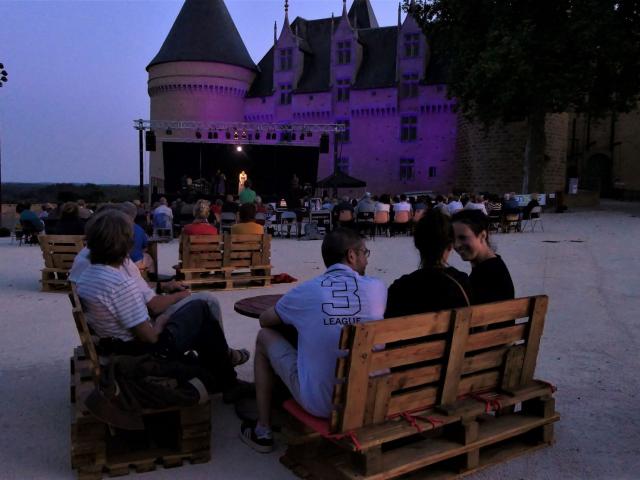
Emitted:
pixel 491 160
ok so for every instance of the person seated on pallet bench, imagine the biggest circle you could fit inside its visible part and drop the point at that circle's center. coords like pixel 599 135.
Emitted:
pixel 116 311
pixel 200 224
pixel 435 285
pixel 247 224
pixel 318 309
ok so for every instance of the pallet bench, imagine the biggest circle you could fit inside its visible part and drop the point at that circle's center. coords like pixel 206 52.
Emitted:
pixel 229 261
pixel 171 436
pixel 450 392
pixel 58 252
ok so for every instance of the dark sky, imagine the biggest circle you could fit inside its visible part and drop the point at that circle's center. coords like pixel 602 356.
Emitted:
pixel 77 78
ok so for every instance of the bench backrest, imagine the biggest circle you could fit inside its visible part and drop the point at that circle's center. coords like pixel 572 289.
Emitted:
pixel 434 359
pixel 201 251
pixel 86 338
pixel 242 251
pixel 59 251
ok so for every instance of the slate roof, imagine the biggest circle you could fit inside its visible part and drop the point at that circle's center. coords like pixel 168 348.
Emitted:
pixel 365 16
pixel 204 31
pixel 378 67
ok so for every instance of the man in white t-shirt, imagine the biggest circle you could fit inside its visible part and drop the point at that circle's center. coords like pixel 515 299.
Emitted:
pixel 318 309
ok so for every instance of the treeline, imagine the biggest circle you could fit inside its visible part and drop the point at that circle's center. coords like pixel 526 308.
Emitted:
pixel 66 192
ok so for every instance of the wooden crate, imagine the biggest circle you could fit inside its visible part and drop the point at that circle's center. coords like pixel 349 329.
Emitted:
pixel 171 436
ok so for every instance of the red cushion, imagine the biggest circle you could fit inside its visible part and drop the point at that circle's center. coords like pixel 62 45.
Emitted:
pixel 320 425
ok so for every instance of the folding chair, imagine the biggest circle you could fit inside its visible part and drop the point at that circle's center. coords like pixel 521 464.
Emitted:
pixel 535 217
pixel 289 219
pixel 381 221
pixel 401 221
pixel 162 225
pixel 365 222
pixel 227 220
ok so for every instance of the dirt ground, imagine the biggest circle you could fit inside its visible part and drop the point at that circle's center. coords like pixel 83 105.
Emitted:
pixel 587 261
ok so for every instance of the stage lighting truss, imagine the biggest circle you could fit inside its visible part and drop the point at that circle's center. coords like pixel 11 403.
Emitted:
pixel 240 133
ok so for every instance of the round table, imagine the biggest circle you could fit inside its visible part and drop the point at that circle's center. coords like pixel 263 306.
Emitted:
pixel 253 306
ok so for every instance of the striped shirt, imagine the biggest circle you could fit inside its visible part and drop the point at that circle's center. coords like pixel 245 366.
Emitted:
pixel 112 302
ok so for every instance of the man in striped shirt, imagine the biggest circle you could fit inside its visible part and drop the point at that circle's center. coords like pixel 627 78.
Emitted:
pixel 117 312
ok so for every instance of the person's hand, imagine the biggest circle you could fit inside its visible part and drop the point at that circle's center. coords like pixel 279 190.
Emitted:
pixel 160 322
pixel 173 286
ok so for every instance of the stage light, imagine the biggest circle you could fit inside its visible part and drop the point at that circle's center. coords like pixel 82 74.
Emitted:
pixel 215 135
pixel 257 135
pixel 239 148
pixel 210 135
pixel 198 134
pixel 244 134
pixel 302 136
pixel 168 132
pixel 235 135
pixel 228 134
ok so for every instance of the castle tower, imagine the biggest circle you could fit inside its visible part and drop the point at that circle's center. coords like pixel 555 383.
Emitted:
pixel 201 73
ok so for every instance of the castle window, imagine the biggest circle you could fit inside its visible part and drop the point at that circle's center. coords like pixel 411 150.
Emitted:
pixel 345 136
pixel 285 94
pixel 342 165
pixel 412 45
pixel 408 128
pixel 286 59
pixel 343 90
pixel 432 172
pixel 344 53
pixel 409 85
pixel 407 169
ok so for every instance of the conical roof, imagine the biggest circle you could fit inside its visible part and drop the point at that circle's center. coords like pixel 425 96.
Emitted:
pixel 362 12
pixel 204 32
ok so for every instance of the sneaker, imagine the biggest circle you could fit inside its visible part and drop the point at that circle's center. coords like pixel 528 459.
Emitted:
pixel 248 436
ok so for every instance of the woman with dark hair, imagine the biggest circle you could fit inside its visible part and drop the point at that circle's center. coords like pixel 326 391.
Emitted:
pixel 69 222
pixel 490 278
pixel 435 285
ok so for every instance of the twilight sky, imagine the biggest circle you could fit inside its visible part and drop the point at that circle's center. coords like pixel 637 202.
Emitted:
pixel 77 78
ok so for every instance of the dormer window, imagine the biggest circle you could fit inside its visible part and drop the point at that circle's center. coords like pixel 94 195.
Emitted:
pixel 409 85
pixel 285 94
pixel 343 90
pixel 344 53
pixel 286 59
pixel 412 45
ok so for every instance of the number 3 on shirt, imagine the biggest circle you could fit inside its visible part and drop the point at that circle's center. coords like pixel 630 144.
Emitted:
pixel 344 290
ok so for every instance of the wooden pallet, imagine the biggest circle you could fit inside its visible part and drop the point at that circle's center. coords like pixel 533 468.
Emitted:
pixel 171 436
pixel 227 278
pixel 58 252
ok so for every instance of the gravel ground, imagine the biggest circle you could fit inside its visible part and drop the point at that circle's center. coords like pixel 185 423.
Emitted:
pixel 586 261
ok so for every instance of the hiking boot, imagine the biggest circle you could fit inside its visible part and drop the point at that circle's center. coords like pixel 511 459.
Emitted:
pixel 248 436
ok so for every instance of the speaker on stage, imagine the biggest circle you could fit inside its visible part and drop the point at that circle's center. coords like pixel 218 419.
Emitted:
pixel 324 143
pixel 150 141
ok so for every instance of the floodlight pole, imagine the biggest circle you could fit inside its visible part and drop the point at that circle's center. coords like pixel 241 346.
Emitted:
pixel 140 128
pixel 3 79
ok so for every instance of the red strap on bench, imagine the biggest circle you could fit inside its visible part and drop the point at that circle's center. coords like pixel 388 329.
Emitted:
pixel 350 435
pixel 411 418
pixel 553 388
pixel 490 404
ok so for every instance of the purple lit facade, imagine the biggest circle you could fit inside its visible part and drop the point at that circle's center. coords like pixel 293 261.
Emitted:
pixel 400 127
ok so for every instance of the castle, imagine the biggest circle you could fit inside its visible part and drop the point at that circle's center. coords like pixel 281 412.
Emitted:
pixel 398 131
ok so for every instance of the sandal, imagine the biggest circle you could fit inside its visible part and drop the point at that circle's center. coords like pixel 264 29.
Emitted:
pixel 239 356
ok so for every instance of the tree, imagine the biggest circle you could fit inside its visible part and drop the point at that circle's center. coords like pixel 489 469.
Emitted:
pixel 512 60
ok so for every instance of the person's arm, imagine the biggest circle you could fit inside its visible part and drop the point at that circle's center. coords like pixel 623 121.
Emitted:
pixel 149 332
pixel 270 318
pixel 160 303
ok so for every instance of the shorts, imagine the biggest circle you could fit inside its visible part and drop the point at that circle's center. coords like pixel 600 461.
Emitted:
pixel 284 361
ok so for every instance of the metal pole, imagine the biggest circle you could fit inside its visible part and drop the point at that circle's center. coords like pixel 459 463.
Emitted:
pixel 141 187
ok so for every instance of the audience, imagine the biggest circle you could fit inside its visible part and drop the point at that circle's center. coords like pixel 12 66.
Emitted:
pixel 476 202
pixel 435 285
pixel 247 223
pixel 70 222
pixel 490 278
pixel 200 224
pixel 308 369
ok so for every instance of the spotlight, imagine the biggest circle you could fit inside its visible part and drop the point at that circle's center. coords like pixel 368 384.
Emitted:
pixel 244 134
pixel 168 132
pixel 235 135
pixel 215 135
pixel 198 134
pixel 239 148
pixel 257 135
pixel 210 135
pixel 228 134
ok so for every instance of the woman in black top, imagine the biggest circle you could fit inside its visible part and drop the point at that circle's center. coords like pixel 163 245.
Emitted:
pixel 70 222
pixel 435 285
pixel 490 278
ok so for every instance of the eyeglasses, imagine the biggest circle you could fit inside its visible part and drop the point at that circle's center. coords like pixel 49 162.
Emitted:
pixel 365 251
